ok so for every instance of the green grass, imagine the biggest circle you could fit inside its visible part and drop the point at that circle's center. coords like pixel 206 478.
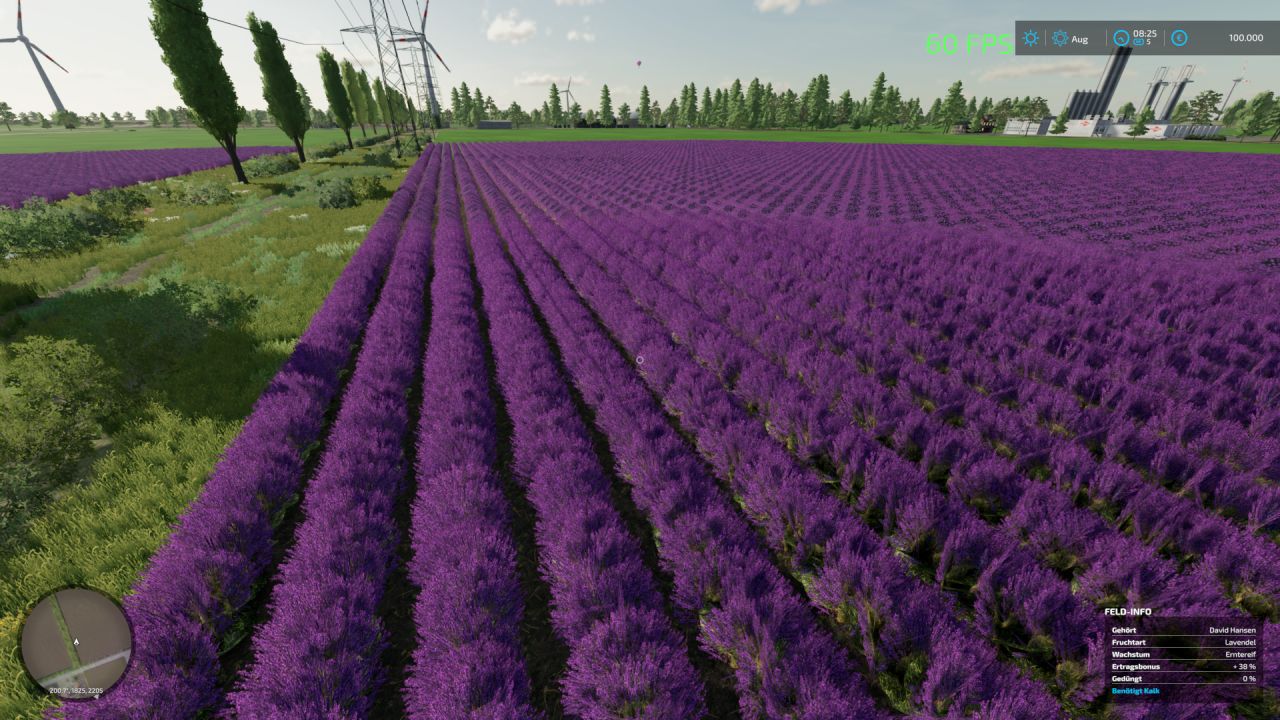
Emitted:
pixel 194 374
pixel 38 140
pixel 848 136
pixel 34 140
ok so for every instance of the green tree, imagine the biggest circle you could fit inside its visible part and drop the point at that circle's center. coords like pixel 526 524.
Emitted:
pixel 844 109
pixel 1126 111
pixel 105 118
pixel 935 112
pixel 1139 124
pixel 478 110
pixel 555 107
pixel 624 115
pixel 755 104
pixel 1204 107
pixel 279 86
pixel 574 115
pixel 672 113
pixel 186 44
pixel 953 106
pixel 646 108
pixel 67 119
pixel 705 114
pixel 384 109
pixel 1232 115
pixel 1275 121
pixel 464 103
pixel 606 107
pixel 1182 113
pixel 818 105
pixel 6 115
pixel 336 93
pixel 1060 124
pixel 370 102
pixel 875 102
pixel 351 81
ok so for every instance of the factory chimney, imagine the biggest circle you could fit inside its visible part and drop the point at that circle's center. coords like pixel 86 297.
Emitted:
pixel 1106 90
pixel 1184 78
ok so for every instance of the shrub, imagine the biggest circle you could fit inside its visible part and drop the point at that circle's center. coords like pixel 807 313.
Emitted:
pixel 268 165
pixel 38 228
pixel 329 151
pixel 187 193
pixel 373 140
pixel 337 193
pixel 380 158
pixel 13 295
pixel 368 187
pixel 58 395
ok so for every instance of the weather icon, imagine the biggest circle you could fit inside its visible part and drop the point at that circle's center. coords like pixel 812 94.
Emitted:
pixel 1061 38
pixel 1031 38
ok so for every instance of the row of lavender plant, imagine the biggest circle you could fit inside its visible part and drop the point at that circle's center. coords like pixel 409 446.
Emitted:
pixel 702 249
pixel 904 502
pixel 825 549
pixel 468 663
pixel 1252 505
pixel 1232 310
pixel 1245 566
pixel 54 176
pixel 319 654
pixel 1061 628
pixel 185 609
pixel 625 658
pixel 747 614
pixel 1222 325
pixel 1127 564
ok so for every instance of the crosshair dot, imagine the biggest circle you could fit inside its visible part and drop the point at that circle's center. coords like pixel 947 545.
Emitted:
pixel 639 359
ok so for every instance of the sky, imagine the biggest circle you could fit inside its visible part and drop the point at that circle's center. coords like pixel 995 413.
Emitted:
pixel 513 49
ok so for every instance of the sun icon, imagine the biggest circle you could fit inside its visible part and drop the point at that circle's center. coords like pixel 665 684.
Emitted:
pixel 1030 38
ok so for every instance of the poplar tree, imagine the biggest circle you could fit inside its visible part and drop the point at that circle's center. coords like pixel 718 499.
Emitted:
pixel 351 81
pixel 186 44
pixel 339 103
pixel 370 103
pixel 384 110
pixel 279 86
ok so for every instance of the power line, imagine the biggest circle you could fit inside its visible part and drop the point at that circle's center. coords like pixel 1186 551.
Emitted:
pixel 359 36
pixel 207 16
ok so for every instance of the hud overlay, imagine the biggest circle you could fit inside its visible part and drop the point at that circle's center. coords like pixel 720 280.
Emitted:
pixel 76 643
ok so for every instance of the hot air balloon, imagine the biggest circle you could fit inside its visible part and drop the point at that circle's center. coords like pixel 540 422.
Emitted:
pixel 639 63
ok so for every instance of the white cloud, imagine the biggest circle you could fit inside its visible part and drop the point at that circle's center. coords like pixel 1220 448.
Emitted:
pixel 582 35
pixel 509 27
pixel 1058 68
pixel 579 2
pixel 786 6
pixel 545 79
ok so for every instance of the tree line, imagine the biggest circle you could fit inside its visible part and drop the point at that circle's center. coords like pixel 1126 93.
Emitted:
pixel 759 106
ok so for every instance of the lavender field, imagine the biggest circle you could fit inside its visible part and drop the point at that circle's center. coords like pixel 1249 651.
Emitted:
pixel 54 176
pixel 745 430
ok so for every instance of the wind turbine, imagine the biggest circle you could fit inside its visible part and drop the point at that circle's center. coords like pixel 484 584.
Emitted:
pixel 1234 82
pixel 32 49
pixel 570 100
pixel 425 45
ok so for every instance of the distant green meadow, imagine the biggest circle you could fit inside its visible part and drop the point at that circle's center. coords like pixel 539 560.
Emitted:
pixel 39 140
pixel 36 140
pixel 850 136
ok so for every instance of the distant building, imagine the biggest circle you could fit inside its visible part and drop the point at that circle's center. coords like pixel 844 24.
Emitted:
pixel 495 125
